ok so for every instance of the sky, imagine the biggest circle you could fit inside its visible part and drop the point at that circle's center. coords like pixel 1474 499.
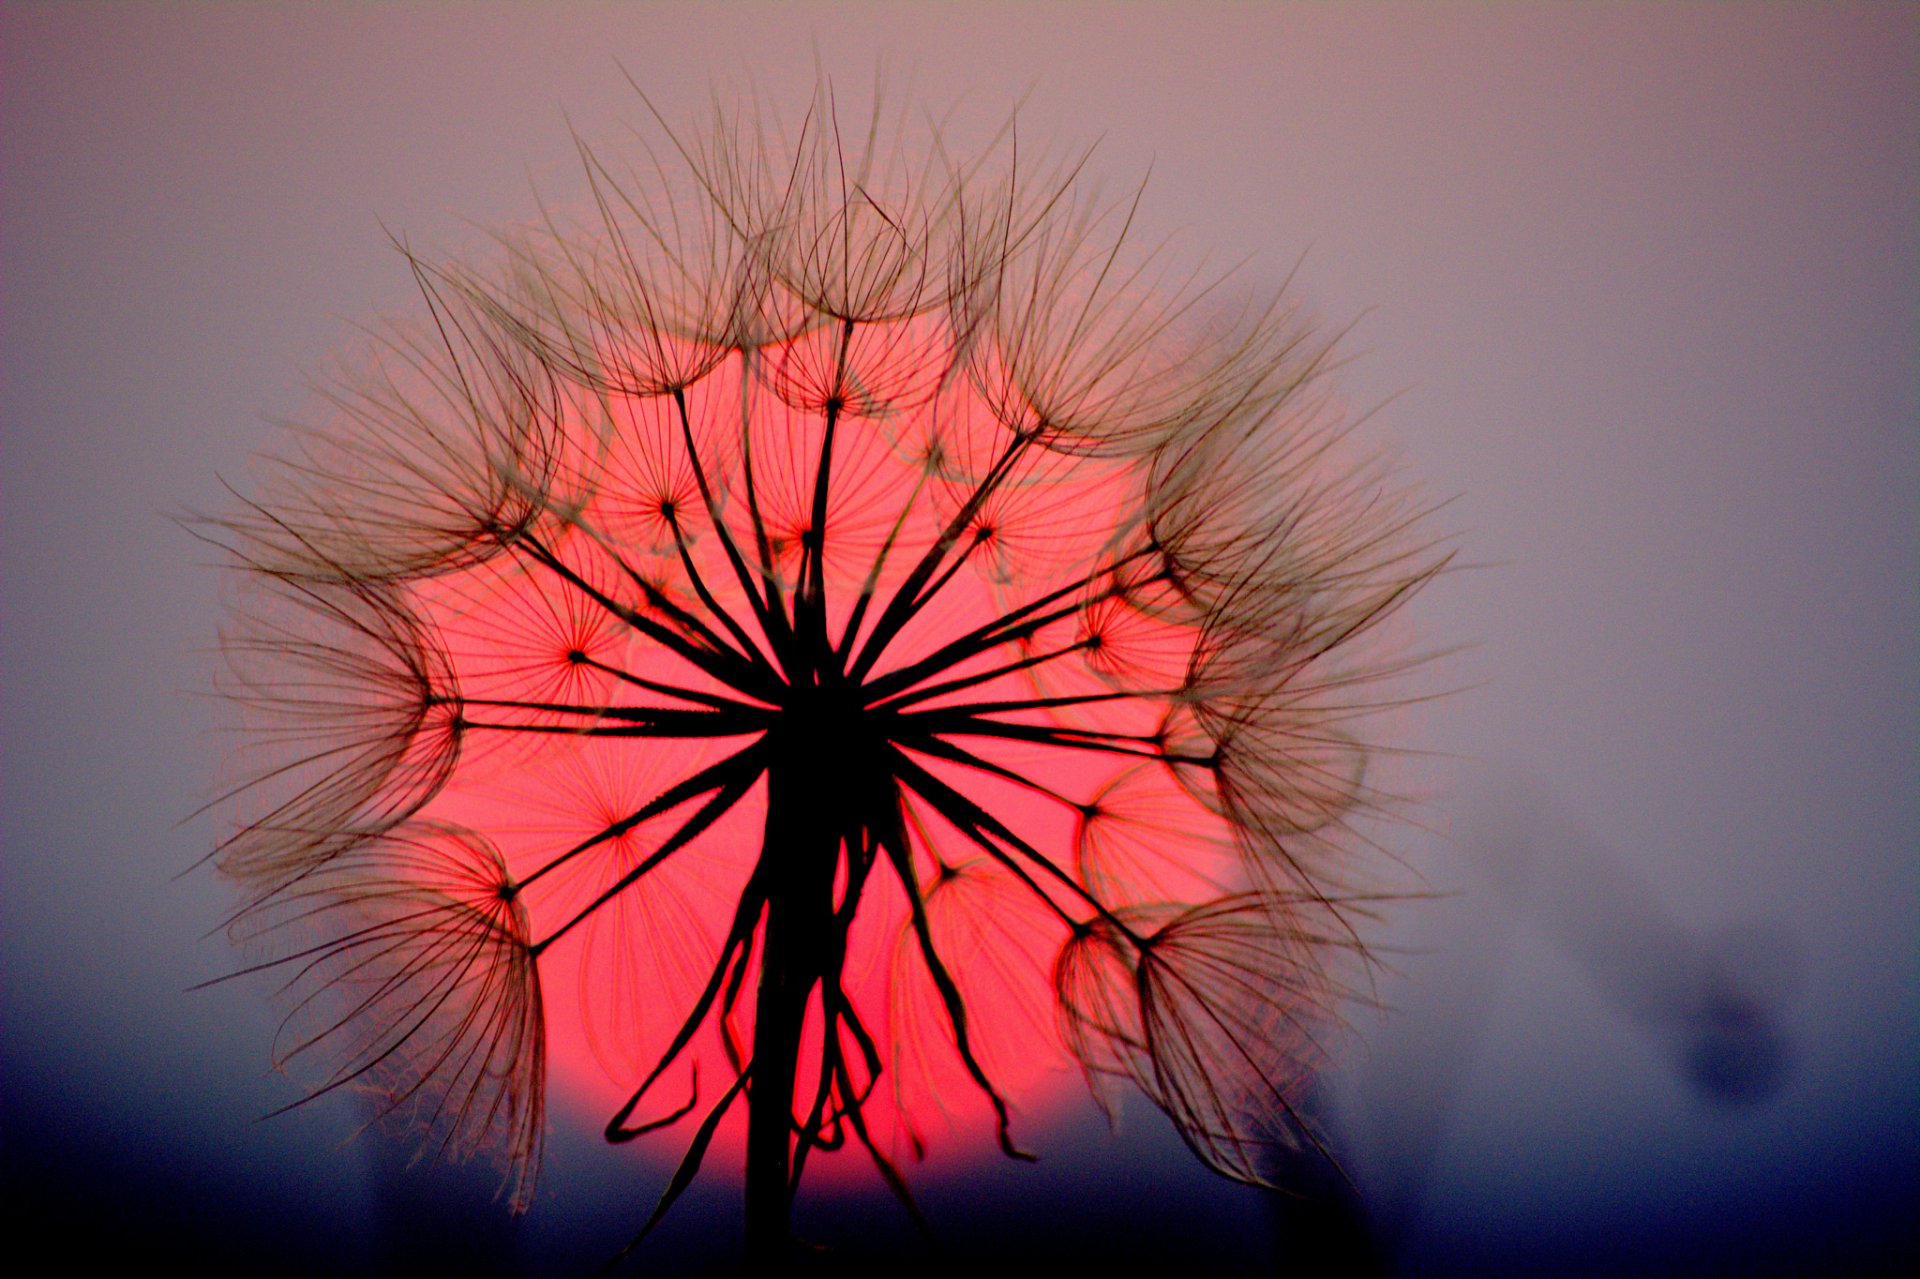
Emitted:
pixel 1634 287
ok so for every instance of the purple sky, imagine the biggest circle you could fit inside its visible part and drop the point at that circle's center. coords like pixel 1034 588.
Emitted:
pixel 1639 284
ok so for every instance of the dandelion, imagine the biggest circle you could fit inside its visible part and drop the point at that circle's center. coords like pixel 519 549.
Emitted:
pixel 886 624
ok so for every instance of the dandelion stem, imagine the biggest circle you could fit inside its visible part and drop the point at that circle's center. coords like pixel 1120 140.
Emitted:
pixel 741 772
pixel 893 838
pixel 714 700
pixel 672 797
pixel 1005 628
pixel 772 620
pixel 814 545
pixel 851 631
pixel 776 607
pixel 977 823
pixel 735 952
pixel 969 681
pixel 907 600
pixel 699 585
pixel 723 664
pixel 806 831
pixel 680 617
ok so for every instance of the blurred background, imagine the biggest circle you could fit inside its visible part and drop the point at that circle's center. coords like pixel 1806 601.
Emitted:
pixel 1638 286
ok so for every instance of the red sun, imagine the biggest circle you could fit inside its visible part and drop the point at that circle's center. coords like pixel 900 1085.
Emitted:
pixel 551 670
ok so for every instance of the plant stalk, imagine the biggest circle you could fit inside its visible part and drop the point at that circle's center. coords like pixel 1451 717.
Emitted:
pixel 802 850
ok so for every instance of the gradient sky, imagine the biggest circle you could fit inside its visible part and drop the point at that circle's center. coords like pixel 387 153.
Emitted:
pixel 1638 285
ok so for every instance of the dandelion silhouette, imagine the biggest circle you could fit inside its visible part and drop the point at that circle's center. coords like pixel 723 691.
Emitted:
pixel 887 626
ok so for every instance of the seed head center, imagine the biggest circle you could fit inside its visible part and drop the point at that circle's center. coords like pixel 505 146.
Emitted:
pixel 833 717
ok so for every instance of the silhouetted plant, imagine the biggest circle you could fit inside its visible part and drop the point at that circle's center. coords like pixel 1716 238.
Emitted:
pixel 852 594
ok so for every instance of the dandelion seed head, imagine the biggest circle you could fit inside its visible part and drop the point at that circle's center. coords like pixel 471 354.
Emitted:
pixel 886 631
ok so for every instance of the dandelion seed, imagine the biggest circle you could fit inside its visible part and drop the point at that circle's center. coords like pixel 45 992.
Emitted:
pixel 884 620
pixel 410 976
